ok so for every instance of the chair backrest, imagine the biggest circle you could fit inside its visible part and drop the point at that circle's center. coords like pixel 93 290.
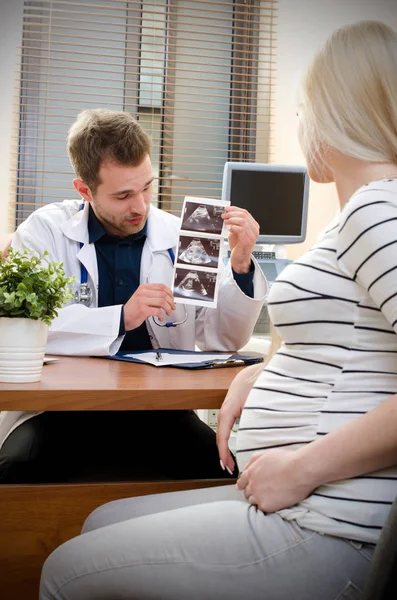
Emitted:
pixel 382 578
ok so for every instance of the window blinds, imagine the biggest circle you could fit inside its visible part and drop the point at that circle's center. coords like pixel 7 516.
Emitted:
pixel 198 75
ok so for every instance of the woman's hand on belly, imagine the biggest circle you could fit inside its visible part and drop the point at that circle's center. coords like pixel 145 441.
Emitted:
pixel 231 410
pixel 273 480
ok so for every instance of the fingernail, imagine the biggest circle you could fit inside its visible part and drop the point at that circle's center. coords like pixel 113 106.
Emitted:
pixel 229 470
pixel 222 465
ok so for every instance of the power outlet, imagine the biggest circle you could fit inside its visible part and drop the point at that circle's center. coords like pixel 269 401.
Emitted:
pixel 213 418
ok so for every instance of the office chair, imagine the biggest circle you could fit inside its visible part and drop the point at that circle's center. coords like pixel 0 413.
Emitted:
pixel 382 578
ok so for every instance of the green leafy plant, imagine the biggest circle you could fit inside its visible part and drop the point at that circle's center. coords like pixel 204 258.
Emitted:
pixel 32 287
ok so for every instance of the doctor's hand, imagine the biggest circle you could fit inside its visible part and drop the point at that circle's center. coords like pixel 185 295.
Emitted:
pixel 243 233
pixel 149 300
pixel 231 410
pixel 275 479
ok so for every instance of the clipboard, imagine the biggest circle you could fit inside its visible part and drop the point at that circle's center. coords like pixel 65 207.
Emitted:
pixel 234 360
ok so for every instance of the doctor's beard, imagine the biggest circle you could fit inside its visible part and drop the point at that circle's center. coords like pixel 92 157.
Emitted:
pixel 122 226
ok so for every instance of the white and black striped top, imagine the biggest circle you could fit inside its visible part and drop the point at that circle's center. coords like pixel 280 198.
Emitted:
pixel 336 311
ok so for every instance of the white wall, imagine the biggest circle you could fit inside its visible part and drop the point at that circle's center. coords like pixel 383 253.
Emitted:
pixel 303 26
pixel 10 42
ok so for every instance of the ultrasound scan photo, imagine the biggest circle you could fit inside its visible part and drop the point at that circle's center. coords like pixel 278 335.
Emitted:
pixel 194 285
pixel 199 251
pixel 202 217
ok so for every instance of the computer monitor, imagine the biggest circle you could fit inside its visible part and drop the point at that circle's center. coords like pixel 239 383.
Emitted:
pixel 275 195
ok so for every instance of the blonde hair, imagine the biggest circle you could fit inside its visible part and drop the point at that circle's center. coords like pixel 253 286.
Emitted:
pixel 349 95
pixel 98 135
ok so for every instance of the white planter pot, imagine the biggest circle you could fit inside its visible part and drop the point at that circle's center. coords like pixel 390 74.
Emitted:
pixel 22 347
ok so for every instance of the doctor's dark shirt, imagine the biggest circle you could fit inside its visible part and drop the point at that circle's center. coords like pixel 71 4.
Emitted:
pixel 119 266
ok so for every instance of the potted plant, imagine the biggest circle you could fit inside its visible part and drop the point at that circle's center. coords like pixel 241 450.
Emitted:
pixel 32 289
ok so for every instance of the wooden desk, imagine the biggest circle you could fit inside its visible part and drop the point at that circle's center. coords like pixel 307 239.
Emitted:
pixel 35 519
pixel 100 384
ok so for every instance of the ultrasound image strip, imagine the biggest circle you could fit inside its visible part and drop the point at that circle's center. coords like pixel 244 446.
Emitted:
pixel 199 252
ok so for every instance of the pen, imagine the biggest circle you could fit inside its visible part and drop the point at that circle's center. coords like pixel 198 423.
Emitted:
pixel 158 355
pixel 225 363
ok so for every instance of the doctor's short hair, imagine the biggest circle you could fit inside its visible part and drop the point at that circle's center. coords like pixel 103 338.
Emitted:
pixel 99 135
pixel 348 97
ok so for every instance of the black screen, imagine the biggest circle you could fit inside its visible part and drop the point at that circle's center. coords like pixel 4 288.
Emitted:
pixel 274 199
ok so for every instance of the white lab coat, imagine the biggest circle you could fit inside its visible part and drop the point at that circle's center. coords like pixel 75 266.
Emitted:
pixel 82 331
pixel 92 331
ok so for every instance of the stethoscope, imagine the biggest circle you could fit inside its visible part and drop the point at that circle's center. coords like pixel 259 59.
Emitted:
pixel 171 323
pixel 84 294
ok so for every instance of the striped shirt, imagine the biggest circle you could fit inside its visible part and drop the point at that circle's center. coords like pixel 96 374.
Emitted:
pixel 336 311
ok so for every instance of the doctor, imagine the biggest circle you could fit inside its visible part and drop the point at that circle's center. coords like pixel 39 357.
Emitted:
pixel 121 249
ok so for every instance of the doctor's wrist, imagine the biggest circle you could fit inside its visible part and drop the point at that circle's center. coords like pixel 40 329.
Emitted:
pixel 241 260
pixel 241 267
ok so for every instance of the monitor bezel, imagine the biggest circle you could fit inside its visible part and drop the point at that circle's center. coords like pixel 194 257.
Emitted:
pixel 267 167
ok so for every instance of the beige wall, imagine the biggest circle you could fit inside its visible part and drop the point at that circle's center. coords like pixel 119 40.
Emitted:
pixel 303 25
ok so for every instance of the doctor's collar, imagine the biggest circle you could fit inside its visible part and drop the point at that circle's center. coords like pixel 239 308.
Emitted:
pixel 96 230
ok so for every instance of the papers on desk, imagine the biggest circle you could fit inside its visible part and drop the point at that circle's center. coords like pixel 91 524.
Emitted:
pixel 187 359
pixel 47 360
pixel 176 359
